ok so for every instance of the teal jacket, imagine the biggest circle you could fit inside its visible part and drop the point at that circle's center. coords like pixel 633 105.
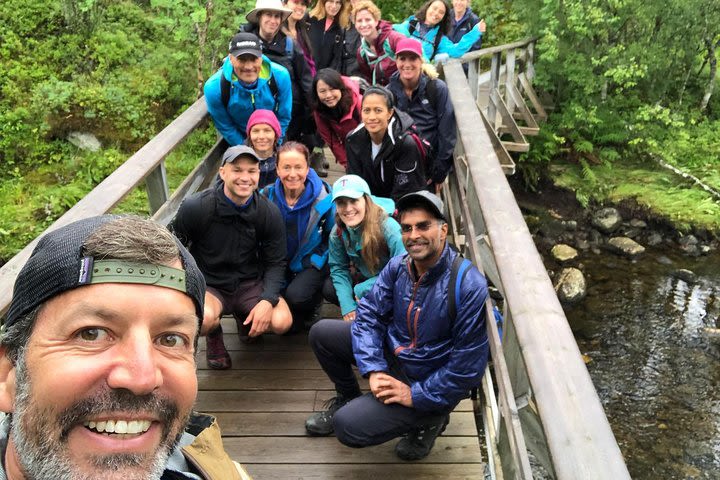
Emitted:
pixel 346 248
pixel 427 38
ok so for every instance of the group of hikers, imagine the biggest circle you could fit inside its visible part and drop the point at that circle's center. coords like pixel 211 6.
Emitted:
pixel 97 359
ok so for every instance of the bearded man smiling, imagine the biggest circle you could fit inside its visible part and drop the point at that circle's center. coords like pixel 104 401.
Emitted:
pixel 97 365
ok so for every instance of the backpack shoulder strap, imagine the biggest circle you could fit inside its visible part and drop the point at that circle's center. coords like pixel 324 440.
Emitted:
pixel 459 269
pixel 224 90
pixel 436 44
pixel 275 91
pixel 412 26
pixel 431 91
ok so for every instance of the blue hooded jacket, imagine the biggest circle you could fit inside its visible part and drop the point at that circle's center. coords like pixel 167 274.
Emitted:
pixel 307 224
pixel 463 26
pixel 427 38
pixel 231 122
pixel 442 357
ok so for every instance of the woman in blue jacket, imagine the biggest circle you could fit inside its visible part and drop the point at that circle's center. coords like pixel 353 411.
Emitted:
pixel 365 237
pixel 306 205
pixel 431 25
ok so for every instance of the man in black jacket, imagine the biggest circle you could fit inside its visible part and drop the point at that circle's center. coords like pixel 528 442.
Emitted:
pixel 237 237
pixel 427 101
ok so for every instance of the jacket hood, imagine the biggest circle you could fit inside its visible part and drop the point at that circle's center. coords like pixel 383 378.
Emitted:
pixel 313 187
pixel 468 13
pixel 384 28
pixel 401 122
pixel 263 77
pixel 357 97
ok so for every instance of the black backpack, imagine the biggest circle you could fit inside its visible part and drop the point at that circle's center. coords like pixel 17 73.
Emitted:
pixel 436 42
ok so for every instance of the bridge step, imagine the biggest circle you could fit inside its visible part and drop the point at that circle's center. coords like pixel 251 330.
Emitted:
pixel 516 147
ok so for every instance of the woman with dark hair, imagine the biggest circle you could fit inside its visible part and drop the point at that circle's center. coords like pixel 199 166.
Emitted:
pixel 328 21
pixel 335 101
pixel 378 40
pixel 365 237
pixel 382 151
pixel 306 206
pixel 296 27
pixel 431 24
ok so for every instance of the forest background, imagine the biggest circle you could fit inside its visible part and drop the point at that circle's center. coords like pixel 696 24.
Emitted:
pixel 633 82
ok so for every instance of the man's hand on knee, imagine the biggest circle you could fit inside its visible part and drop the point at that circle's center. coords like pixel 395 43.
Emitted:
pixel 259 317
pixel 388 389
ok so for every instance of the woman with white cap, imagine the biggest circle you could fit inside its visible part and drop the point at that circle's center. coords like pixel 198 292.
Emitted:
pixel 365 237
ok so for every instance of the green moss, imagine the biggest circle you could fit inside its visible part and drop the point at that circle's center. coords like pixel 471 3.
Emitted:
pixel 663 193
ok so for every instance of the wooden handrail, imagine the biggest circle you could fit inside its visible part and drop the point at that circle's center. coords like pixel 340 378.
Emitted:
pixel 577 432
pixel 113 189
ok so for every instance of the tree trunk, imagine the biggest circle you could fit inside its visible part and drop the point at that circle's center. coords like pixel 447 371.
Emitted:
pixel 712 60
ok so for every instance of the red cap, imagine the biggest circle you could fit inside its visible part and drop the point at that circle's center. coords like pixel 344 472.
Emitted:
pixel 409 45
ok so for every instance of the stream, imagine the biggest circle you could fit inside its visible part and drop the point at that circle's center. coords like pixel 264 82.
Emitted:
pixel 653 361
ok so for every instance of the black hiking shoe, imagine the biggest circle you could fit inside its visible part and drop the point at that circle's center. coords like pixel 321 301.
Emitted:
pixel 317 163
pixel 320 424
pixel 419 441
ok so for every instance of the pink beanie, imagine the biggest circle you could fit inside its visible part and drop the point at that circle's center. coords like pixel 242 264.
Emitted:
pixel 264 116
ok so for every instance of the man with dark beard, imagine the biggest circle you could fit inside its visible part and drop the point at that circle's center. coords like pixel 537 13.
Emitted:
pixel 97 366
pixel 420 355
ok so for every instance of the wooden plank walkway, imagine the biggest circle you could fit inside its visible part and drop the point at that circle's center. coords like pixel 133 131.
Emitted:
pixel 274 385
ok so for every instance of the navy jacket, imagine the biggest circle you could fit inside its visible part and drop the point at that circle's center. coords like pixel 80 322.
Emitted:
pixel 443 358
pixel 233 243
pixel 435 121
pixel 463 26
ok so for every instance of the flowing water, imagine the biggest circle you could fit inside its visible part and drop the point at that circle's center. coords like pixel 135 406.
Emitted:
pixel 653 361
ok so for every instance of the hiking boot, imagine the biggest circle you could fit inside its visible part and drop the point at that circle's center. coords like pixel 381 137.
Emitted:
pixel 244 331
pixel 317 163
pixel 218 357
pixel 320 424
pixel 419 441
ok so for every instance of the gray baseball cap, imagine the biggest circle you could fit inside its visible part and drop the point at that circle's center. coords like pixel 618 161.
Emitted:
pixel 424 199
pixel 232 154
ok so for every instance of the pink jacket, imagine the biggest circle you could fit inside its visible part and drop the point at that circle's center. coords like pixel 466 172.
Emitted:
pixel 333 132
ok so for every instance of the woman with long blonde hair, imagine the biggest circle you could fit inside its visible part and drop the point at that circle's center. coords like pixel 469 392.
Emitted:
pixel 365 237
pixel 327 24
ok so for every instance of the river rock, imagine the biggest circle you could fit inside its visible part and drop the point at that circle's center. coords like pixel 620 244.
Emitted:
pixel 570 285
pixel 84 141
pixel 688 240
pixel 637 223
pixel 654 239
pixel 564 253
pixel 570 225
pixel 607 220
pixel 688 276
pixel 625 246
pixel 582 244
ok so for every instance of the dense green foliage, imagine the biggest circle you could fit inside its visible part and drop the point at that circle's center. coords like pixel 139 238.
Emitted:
pixel 630 79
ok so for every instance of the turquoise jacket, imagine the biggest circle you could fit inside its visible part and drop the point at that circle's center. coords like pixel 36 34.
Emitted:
pixel 231 120
pixel 427 38
pixel 345 249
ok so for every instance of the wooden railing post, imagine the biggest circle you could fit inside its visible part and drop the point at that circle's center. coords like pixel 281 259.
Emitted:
pixel 157 187
pixel 509 79
pixel 494 84
pixel 530 61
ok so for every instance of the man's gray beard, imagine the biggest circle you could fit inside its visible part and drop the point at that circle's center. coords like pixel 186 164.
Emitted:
pixel 42 458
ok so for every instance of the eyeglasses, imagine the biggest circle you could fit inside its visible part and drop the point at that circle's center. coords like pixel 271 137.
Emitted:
pixel 421 227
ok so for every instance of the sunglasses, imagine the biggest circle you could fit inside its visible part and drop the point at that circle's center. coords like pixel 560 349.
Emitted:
pixel 421 227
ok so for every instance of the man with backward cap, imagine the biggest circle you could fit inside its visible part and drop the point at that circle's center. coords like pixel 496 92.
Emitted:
pixel 97 366
pixel 419 358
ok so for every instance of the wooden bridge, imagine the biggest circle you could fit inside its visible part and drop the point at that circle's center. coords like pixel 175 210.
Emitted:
pixel 538 415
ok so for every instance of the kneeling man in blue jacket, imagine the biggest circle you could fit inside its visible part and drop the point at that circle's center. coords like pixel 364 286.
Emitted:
pixel 419 357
